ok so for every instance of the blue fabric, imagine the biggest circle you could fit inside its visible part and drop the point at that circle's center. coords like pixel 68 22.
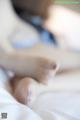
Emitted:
pixel 24 43
pixel 36 20
pixel 46 36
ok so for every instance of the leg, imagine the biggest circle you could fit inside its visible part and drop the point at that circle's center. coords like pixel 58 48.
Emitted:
pixel 27 90
pixel 24 90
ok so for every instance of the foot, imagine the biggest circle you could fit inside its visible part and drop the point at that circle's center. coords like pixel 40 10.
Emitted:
pixel 25 91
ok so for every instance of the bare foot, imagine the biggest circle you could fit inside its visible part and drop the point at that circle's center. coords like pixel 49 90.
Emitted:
pixel 46 70
pixel 25 91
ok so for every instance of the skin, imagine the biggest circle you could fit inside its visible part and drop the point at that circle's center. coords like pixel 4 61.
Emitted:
pixel 28 66
pixel 24 90
pixel 29 69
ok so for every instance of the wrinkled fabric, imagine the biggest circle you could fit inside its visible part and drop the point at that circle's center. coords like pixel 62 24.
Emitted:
pixel 50 105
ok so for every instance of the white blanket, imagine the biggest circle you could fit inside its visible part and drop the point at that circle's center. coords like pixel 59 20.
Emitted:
pixel 9 105
pixel 61 103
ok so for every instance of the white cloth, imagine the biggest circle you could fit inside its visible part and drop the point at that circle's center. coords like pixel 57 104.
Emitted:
pixel 58 106
pixel 54 105
pixel 9 105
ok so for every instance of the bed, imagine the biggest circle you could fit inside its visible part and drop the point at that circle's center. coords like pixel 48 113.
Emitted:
pixel 61 103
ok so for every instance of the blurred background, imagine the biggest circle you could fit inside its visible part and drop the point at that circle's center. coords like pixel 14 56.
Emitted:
pixel 72 4
pixel 49 22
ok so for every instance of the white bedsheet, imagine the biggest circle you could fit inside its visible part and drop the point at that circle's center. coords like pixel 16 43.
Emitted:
pixel 59 104
pixel 14 110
